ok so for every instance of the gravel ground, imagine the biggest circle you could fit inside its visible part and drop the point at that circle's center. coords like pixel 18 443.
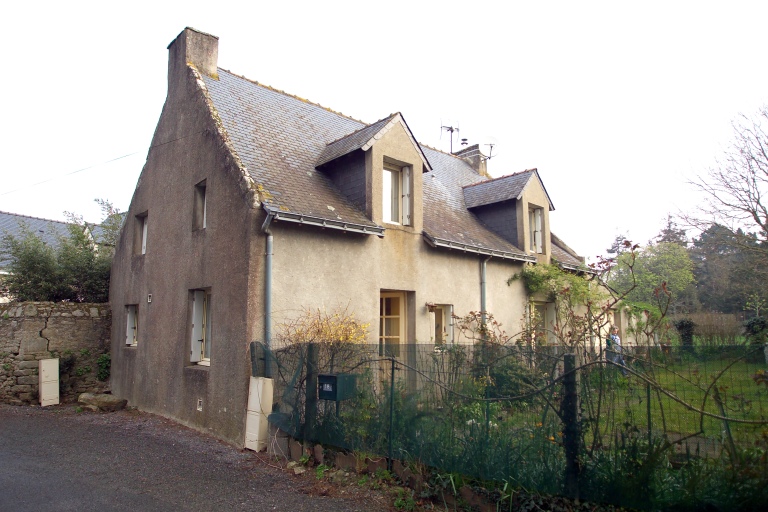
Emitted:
pixel 56 459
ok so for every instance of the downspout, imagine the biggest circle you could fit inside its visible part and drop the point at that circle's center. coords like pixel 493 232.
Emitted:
pixel 483 294
pixel 265 228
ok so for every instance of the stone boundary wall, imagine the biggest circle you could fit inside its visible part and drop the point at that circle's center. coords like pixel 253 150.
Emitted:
pixel 78 334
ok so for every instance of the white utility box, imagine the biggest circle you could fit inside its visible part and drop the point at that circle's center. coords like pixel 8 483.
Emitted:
pixel 48 372
pixel 259 407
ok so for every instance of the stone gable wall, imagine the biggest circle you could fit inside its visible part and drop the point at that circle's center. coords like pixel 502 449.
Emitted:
pixel 78 334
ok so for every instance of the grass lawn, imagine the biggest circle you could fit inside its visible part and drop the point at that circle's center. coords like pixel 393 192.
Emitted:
pixel 697 382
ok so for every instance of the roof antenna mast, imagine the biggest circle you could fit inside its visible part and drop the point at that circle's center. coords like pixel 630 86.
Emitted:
pixel 451 130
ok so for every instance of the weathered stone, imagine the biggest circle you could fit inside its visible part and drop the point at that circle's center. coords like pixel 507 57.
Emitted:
pixel 21 389
pixel 94 312
pixel 297 451
pixel 375 465
pixel 317 453
pixel 78 313
pixel 30 310
pixel 34 345
pixel 31 380
pixel 346 461
pixel 21 373
pixel 103 402
pixel 28 365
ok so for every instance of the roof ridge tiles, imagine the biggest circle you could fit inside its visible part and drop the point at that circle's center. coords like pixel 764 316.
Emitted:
pixel 390 116
pixel 33 217
pixel 501 177
pixel 299 98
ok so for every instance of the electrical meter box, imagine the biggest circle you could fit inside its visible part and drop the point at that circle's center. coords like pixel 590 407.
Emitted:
pixel 336 387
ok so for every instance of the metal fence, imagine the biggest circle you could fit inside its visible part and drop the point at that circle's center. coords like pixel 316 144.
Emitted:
pixel 605 428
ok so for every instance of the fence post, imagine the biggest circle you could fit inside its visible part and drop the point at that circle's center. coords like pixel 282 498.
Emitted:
pixel 391 412
pixel 650 424
pixel 571 427
pixel 735 459
pixel 310 412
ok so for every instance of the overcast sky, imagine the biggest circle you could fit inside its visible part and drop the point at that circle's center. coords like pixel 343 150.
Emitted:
pixel 618 105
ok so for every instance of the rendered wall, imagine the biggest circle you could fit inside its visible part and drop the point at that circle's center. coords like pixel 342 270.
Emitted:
pixel 157 375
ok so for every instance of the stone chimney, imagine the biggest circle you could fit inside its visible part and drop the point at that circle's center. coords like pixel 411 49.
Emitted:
pixel 473 156
pixel 191 47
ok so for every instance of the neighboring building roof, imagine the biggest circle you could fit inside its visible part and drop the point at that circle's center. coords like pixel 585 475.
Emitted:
pixel 281 139
pixel 564 255
pixel 14 224
pixel 502 189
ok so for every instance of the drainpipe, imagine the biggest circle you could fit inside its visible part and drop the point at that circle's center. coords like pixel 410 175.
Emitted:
pixel 268 295
pixel 483 291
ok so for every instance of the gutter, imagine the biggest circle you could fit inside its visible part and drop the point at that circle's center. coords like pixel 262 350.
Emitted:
pixel 310 220
pixel 475 249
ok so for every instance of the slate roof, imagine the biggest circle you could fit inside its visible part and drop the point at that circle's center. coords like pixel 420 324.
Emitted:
pixel 564 255
pixel 501 189
pixel 282 138
pixel 279 139
pixel 13 224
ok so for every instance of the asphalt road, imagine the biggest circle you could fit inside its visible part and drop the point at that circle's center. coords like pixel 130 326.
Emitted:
pixel 56 459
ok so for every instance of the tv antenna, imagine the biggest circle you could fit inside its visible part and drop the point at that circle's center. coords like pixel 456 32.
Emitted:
pixel 490 150
pixel 451 130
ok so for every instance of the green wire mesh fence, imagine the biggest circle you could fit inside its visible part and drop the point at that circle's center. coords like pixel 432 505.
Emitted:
pixel 635 436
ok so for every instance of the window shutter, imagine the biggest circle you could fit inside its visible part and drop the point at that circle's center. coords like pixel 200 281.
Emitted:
pixel 207 326
pixel 407 196
pixel 538 229
pixel 144 235
pixel 196 341
pixel 130 325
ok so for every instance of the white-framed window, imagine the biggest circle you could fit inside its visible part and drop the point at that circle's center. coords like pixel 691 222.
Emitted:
pixel 442 324
pixel 535 228
pixel 132 325
pixel 392 323
pixel 200 340
pixel 200 219
pixel 140 234
pixel 397 202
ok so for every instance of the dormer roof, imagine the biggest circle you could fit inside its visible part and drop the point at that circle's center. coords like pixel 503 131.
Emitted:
pixel 502 189
pixel 366 137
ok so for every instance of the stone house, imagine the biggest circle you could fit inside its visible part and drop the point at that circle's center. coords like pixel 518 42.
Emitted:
pixel 255 204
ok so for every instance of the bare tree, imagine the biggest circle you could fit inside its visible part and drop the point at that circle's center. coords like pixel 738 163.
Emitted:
pixel 736 190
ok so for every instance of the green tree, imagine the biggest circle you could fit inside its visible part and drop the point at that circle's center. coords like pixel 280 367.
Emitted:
pixel 664 265
pixel 672 234
pixel 34 273
pixel 77 269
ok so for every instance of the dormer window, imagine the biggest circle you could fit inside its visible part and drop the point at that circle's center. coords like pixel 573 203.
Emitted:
pixel 535 228
pixel 396 198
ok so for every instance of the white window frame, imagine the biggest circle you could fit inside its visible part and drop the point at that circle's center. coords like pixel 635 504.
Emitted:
pixel 389 343
pixel 132 325
pixel 443 313
pixel 200 206
pixel 140 244
pixel 397 201
pixel 535 227
pixel 200 339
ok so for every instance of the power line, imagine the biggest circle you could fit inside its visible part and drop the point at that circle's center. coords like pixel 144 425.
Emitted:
pixel 97 165
pixel 68 174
